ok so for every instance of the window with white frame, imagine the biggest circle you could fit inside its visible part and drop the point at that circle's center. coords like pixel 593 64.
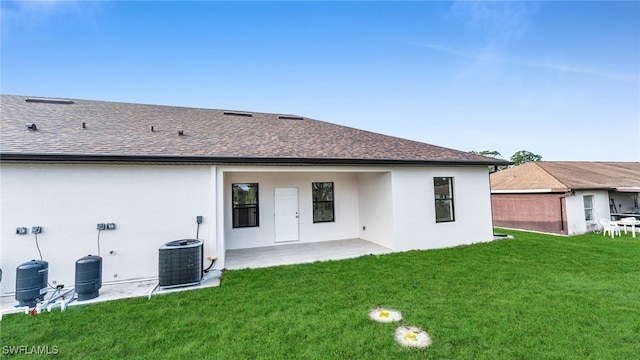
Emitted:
pixel 443 192
pixel 588 207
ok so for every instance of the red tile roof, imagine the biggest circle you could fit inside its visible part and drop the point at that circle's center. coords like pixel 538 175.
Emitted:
pixel 566 175
pixel 73 128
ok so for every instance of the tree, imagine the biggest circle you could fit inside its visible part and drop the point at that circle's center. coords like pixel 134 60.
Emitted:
pixel 523 156
pixel 489 153
pixel 519 158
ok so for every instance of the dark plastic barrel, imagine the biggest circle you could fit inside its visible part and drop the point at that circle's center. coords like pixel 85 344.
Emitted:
pixel 88 277
pixel 31 282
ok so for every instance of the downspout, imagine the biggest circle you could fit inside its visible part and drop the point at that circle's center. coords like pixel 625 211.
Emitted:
pixel 491 201
pixel 562 214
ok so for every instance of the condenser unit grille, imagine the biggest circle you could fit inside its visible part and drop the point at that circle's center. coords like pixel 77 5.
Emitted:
pixel 180 263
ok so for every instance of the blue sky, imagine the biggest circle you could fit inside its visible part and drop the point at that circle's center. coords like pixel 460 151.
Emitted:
pixel 559 79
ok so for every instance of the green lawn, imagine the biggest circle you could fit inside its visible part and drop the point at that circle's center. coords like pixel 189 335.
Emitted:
pixel 534 297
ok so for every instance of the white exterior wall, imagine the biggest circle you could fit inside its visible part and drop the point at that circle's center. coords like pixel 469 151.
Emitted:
pixel 375 201
pixel 415 226
pixel 150 205
pixel 154 204
pixel 393 207
pixel 345 206
pixel 575 211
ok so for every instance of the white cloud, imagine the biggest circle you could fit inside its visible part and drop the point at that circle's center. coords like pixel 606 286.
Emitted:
pixel 20 16
pixel 490 56
pixel 503 20
pixel 499 24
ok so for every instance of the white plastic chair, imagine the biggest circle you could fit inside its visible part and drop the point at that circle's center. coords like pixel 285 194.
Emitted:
pixel 610 227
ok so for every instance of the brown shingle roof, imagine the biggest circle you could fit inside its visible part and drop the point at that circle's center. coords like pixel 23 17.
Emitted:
pixel 566 175
pixel 124 130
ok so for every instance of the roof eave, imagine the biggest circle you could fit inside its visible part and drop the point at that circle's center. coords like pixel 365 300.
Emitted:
pixel 529 191
pixel 628 189
pixel 606 188
pixel 84 158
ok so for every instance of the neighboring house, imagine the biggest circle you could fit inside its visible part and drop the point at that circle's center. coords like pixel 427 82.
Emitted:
pixel 256 180
pixel 564 197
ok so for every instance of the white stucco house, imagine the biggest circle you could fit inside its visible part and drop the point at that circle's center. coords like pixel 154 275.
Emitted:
pixel 255 179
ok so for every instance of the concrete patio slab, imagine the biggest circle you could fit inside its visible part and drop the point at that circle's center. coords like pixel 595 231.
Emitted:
pixel 301 253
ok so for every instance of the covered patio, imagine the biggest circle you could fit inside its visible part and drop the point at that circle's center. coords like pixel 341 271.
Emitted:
pixel 301 253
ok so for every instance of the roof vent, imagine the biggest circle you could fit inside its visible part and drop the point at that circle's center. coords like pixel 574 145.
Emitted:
pixel 290 117
pixel 32 127
pixel 181 132
pixel 49 101
pixel 233 113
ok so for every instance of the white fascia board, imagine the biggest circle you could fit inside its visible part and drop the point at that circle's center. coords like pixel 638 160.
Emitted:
pixel 631 189
pixel 525 191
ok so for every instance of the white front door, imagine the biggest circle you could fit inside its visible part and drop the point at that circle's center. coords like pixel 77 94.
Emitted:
pixel 286 214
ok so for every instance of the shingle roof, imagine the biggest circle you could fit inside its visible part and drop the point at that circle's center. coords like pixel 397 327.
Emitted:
pixel 84 128
pixel 566 175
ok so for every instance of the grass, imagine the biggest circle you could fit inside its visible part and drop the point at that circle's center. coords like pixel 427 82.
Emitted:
pixel 534 297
